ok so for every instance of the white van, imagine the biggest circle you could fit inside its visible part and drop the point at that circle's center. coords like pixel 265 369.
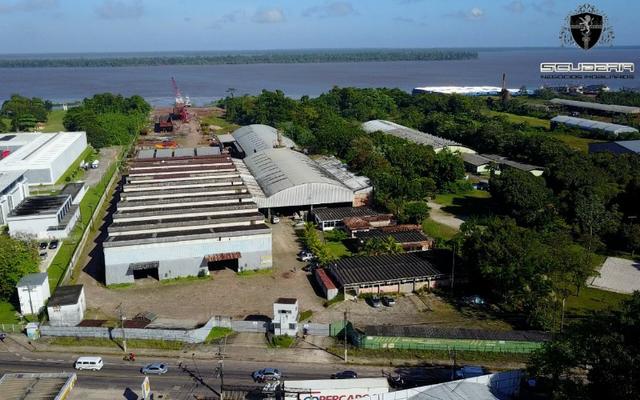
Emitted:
pixel 94 363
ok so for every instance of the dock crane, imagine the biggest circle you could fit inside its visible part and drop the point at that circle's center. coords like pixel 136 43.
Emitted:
pixel 180 107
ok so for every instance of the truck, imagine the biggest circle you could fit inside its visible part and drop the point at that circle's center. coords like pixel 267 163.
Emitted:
pixel 334 389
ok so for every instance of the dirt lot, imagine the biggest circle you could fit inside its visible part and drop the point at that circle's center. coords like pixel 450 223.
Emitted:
pixel 186 134
pixel 250 295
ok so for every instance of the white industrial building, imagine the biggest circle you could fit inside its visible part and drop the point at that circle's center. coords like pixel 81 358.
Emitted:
pixel 67 306
pixel 287 178
pixel 413 135
pixel 591 125
pixel 184 213
pixel 33 293
pixel 44 157
pixel 47 217
pixel 464 90
pixel 285 317
pixel 14 188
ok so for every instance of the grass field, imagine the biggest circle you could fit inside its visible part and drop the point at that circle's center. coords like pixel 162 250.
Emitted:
pixel 131 343
pixel 575 142
pixel 8 313
pixel 217 333
pixel 437 230
pixel 224 125
pixel 519 119
pixel 474 202
pixel 338 249
pixel 54 121
pixel 593 300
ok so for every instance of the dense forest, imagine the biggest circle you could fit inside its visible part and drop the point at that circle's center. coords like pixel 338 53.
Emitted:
pixel 258 57
pixel 583 204
pixel 108 119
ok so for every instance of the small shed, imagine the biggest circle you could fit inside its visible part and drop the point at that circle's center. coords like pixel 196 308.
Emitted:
pixel 33 293
pixel 67 306
pixel 285 317
pixel 329 289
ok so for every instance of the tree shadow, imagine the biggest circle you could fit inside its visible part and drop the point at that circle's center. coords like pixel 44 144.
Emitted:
pixel 130 394
pixel 469 206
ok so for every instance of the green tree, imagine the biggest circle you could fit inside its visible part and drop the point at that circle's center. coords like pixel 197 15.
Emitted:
pixel 596 357
pixel 523 196
pixel 414 212
pixel 448 168
pixel 379 246
pixel 17 259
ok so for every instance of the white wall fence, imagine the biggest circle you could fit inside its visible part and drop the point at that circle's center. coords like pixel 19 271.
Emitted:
pixel 188 336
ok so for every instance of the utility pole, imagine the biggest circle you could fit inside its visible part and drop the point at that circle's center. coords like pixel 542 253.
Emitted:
pixel 562 317
pixel 30 302
pixel 122 318
pixel 345 336
pixel 453 264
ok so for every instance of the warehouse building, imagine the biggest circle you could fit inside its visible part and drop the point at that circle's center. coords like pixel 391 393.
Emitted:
pixel 590 125
pixel 44 217
pixel 414 135
pixel 184 212
pixel 44 157
pixel 283 178
pixel 399 273
pixel 618 147
pixel 359 185
pixel 14 188
pixel 481 164
pixel 596 108
pixel 330 218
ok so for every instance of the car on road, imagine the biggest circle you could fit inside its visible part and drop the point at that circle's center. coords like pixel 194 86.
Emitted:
pixel 266 374
pixel 154 368
pixel 345 375
pixel 53 244
pixel 92 363
pixel 43 245
pixel 388 301
pixel 375 302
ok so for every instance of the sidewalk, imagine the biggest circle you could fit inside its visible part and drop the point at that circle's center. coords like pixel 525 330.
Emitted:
pixel 243 347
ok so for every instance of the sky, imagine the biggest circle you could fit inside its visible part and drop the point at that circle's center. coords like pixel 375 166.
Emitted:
pixel 63 26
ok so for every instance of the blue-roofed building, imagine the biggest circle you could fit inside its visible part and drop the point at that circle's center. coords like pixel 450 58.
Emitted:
pixel 618 147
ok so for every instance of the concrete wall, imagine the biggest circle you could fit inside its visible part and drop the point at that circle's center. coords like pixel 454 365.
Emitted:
pixel 255 253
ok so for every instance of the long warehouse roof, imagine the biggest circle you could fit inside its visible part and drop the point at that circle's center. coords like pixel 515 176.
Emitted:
pixel 36 150
pixel 590 124
pixel 256 138
pixel 409 134
pixel 384 268
pixel 299 179
pixel 596 106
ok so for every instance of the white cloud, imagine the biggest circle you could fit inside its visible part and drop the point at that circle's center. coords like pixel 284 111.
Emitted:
pixel 27 6
pixel 474 14
pixel 269 16
pixel 516 7
pixel 115 9
pixel 334 9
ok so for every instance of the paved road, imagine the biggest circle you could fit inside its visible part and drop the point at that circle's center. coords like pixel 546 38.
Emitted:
pixel 118 373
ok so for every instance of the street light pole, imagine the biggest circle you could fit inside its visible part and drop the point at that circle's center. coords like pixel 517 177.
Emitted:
pixel 124 336
pixel 346 360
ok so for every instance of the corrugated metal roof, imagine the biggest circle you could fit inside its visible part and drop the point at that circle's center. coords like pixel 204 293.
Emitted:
pixel 633 145
pixel 589 124
pixel 406 133
pixel 475 159
pixel 339 171
pixel 597 106
pixel 280 170
pixel 339 213
pixel 256 138
pixel 384 268
pixel 400 237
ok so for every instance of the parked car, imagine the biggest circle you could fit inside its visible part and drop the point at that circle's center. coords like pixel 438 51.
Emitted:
pixel 154 368
pixel 43 255
pixel 275 219
pixel 53 244
pixel 344 375
pixel 375 302
pixel 43 245
pixel 266 374
pixel 306 256
pixel 388 301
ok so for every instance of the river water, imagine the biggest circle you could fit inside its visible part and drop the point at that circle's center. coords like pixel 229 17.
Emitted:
pixel 207 83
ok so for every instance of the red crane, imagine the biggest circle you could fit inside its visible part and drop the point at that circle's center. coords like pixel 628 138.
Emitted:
pixel 180 108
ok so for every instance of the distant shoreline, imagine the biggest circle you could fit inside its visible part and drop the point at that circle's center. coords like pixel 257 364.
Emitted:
pixel 283 57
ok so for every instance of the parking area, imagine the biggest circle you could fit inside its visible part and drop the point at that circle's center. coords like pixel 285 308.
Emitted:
pixel 47 255
pixel 618 275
